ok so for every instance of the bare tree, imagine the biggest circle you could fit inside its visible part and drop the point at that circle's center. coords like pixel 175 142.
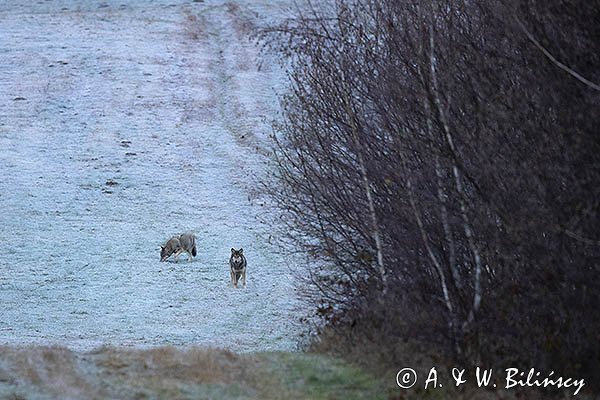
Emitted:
pixel 438 156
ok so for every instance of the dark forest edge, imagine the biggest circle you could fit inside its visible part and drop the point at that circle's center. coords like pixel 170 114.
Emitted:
pixel 440 162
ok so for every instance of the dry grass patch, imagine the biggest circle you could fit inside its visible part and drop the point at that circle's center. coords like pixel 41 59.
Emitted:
pixel 47 371
pixel 174 373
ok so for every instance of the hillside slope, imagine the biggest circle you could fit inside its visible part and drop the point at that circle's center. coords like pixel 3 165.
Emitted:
pixel 123 123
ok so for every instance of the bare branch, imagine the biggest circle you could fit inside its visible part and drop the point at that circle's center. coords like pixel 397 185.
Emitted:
pixel 560 65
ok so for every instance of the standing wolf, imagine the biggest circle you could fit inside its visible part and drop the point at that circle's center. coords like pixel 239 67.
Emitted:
pixel 177 245
pixel 237 264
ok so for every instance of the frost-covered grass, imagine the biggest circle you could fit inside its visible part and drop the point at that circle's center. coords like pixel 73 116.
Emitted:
pixel 121 124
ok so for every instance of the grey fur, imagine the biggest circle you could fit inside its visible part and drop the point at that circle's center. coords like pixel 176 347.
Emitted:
pixel 237 266
pixel 177 245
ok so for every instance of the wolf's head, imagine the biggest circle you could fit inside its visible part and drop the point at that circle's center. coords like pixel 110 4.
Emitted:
pixel 237 257
pixel 165 253
pixel 171 247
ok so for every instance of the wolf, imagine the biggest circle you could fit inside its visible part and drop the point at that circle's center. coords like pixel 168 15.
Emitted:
pixel 237 265
pixel 177 245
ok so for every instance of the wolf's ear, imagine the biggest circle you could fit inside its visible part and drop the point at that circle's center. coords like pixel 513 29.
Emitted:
pixel 232 250
pixel 162 247
pixel 241 250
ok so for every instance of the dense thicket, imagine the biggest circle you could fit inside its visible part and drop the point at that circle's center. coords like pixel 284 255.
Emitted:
pixel 441 162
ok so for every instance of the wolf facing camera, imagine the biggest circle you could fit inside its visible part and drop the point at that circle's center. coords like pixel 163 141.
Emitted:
pixel 237 265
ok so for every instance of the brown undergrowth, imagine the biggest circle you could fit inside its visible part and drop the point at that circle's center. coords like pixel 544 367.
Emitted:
pixel 36 372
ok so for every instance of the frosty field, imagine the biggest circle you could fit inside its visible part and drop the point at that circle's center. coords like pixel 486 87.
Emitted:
pixel 121 124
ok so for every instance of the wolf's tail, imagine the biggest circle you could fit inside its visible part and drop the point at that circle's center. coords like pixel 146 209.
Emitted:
pixel 194 251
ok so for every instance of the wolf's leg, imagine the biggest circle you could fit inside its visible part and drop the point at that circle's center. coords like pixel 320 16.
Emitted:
pixel 189 255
